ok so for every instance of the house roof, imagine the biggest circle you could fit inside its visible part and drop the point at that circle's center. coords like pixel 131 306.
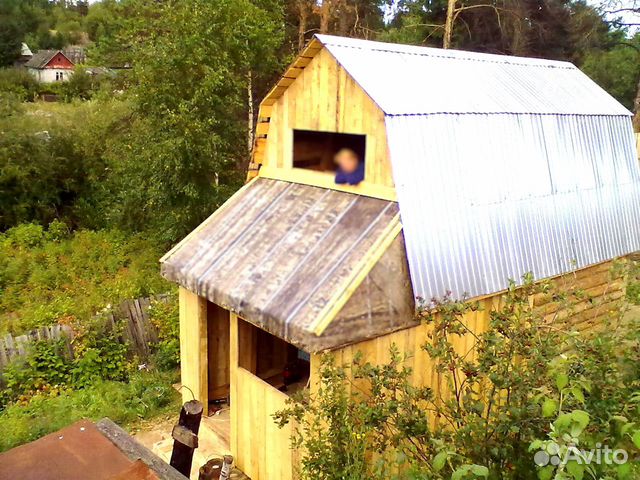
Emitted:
pixel 502 165
pixel 25 51
pixel 76 54
pixel 85 451
pixel 281 255
pixel 410 80
pixel 42 57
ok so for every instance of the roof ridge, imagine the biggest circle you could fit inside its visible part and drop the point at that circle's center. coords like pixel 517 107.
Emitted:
pixel 463 54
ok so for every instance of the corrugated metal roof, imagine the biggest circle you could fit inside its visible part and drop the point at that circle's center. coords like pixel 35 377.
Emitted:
pixel 407 80
pixel 485 198
pixel 277 253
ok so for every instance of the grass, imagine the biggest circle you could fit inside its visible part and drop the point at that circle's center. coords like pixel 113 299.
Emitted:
pixel 147 395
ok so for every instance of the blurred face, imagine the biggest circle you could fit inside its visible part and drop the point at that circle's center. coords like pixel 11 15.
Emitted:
pixel 347 160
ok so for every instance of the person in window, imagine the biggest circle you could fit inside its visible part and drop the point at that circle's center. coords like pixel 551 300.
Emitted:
pixel 350 168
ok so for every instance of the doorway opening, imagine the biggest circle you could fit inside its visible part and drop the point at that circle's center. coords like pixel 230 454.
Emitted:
pixel 278 363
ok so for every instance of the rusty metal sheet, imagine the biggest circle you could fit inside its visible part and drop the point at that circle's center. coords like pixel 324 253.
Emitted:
pixel 77 452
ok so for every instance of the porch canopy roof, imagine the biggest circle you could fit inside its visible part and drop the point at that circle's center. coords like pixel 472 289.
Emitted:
pixel 282 255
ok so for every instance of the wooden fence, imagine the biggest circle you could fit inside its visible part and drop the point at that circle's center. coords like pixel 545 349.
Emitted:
pixel 133 315
pixel 138 332
pixel 13 347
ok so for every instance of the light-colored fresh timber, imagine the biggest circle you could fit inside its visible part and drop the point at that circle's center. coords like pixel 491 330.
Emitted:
pixel 218 351
pixel 602 284
pixel 193 346
pixel 327 180
pixel 261 449
pixel 321 97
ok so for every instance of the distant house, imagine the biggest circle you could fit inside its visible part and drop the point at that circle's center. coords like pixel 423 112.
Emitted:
pixel 49 66
pixel 75 53
pixel 25 55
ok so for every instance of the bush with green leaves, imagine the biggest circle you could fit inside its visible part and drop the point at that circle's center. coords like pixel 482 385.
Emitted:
pixel 51 366
pixel 145 395
pixel 19 82
pixel 51 275
pixel 524 383
pixel 164 315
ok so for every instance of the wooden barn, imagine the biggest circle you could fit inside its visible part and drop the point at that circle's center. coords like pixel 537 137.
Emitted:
pixel 477 169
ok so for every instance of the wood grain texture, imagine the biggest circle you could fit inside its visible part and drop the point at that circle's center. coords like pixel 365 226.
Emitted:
pixel 218 336
pixel 318 94
pixel 281 252
pixel 193 347
pixel 261 449
pixel 602 282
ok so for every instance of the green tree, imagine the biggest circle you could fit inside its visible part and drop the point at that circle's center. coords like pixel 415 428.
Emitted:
pixel 616 70
pixel 186 147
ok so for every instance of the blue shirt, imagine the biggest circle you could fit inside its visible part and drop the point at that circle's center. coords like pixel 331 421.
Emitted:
pixel 352 178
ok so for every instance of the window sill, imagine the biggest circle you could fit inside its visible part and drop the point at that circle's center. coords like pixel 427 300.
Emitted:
pixel 327 180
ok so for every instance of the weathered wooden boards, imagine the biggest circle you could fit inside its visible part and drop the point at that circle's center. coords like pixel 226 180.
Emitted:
pixel 13 347
pixel 185 435
pixel 138 331
pixel 281 254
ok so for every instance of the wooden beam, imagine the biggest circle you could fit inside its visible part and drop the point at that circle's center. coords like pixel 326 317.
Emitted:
pixel 136 451
pixel 193 347
pixel 327 180
pixel 335 304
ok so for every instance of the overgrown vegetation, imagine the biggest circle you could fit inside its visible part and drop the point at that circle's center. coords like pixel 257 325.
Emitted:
pixel 525 385
pixel 53 385
pixel 50 275
pixel 143 396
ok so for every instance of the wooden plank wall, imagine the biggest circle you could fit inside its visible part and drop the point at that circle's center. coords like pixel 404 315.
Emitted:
pixel 193 347
pixel 325 98
pixel 261 449
pixel 138 332
pixel 603 290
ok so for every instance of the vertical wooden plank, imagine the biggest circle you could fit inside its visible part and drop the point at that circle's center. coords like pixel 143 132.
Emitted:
pixel 218 351
pixel 10 346
pixel 233 382
pixel 193 346
pixel 3 354
pixel 247 346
